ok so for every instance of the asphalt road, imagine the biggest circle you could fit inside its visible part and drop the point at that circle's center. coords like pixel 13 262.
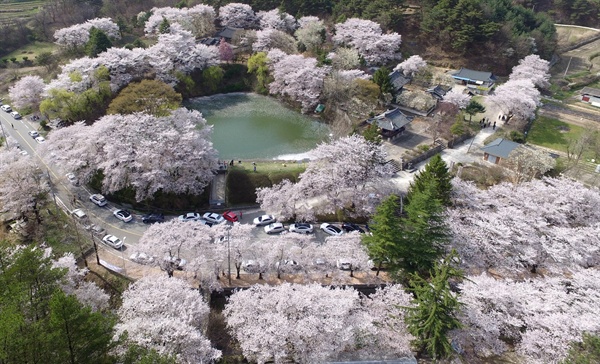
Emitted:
pixel 77 197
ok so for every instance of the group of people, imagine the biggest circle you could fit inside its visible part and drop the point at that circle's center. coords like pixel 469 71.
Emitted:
pixel 485 123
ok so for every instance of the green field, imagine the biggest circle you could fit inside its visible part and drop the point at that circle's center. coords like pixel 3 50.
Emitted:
pixel 553 133
pixel 19 9
pixel 31 51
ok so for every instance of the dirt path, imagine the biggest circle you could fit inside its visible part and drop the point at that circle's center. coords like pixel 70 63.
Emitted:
pixel 572 115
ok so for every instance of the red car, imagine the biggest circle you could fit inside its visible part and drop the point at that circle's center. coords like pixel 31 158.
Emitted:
pixel 230 216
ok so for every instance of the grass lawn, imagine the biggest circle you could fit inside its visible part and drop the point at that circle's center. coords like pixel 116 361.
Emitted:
pixel 553 133
pixel 271 167
pixel 31 51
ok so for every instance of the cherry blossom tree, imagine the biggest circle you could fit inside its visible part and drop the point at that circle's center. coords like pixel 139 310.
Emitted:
pixel 344 58
pixel 237 15
pixel 225 51
pixel 199 20
pixel 548 224
pixel 148 153
pixel 539 316
pixel 298 78
pixel 166 315
pixel 368 39
pixel 276 19
pixel 166 243
pixel 528 162
pixel 302 323
pixel 27 92
pixel 311 32
pixel 87 292
pixel 24 187
pixel 348 250
pixel 456 97
pixel 411 65
pixel 532 68
pixel 269 38
pixel 78 35
pixel 346 174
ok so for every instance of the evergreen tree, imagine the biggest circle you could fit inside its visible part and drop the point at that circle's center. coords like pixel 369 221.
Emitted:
pixel 435 306
pixel 436 172
pixel 164 27
pixel 372 134
pixel 473 108
pixel 98 42
pixel 382 78
pixel 382 243
pixel 425 233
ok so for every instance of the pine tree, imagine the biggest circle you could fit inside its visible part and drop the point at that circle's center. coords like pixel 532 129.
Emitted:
pixel 433 314
pixel 473 108
pixel 164 27
pixel 382 78
pixel 383 243
pixel 436 171
pixel 98 42
pixel 425 233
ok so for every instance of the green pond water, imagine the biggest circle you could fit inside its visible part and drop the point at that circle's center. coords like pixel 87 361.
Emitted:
pixel 251 126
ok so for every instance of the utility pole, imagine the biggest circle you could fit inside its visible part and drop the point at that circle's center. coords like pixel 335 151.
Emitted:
pixel 95 247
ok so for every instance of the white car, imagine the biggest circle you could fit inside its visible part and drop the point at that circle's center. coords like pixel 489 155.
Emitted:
pixel 113 241
pixel 123 215
pixel 34 134
pixel 331 229
pixel 97 230
pixel 98 199
pixel 274 228
pixel 79 213
pixel 6 108
pixel 264 220
pixel 190 216
pixel 344 264
pixel 73 179
pixel 301 228
pixel 141 258
pixel 40 139
pixel 213 217
pixel 15 115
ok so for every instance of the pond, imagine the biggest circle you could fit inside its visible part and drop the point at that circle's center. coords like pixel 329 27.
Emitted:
pixel 252 126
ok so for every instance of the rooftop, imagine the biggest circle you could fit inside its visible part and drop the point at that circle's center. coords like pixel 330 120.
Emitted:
pixel 227 32
pixel 590 91
pixel 500 147
pixel 472 75
pixel 398 80
pixel 391 120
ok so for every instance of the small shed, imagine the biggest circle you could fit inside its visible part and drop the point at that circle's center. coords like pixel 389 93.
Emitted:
pixel 478 82
pixel 227 33
pixel 398 80
pixel 590 95
pixel 319 109
pixel 498 149
pixel 392 123
pixel 439 91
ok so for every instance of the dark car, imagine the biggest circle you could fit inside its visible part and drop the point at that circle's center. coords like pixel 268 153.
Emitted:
pixel 349 227
pixel 153 218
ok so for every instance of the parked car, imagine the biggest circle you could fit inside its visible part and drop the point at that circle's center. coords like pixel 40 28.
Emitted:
pixel 6 108
pixel 97 230
pixel 291 264
pixel 301 228
pixel 331 229
pixel 72 179
pixel 98 199
pixel 213 217
pixel 153 218
pixel 190 216
pixel 350 227
pixel 230 216
pixel 250 266
pixel 343 264
pixel 207 223
pixel 177 262
pixel 34 134
pixel 141 258
pixel 79 213
pixel 40 139
pixel 15 115
pixel 264 220
pixel 274 228
pixel 123 215
pixel 113 241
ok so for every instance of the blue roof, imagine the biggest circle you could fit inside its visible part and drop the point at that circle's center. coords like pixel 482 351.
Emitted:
pixel 500 147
